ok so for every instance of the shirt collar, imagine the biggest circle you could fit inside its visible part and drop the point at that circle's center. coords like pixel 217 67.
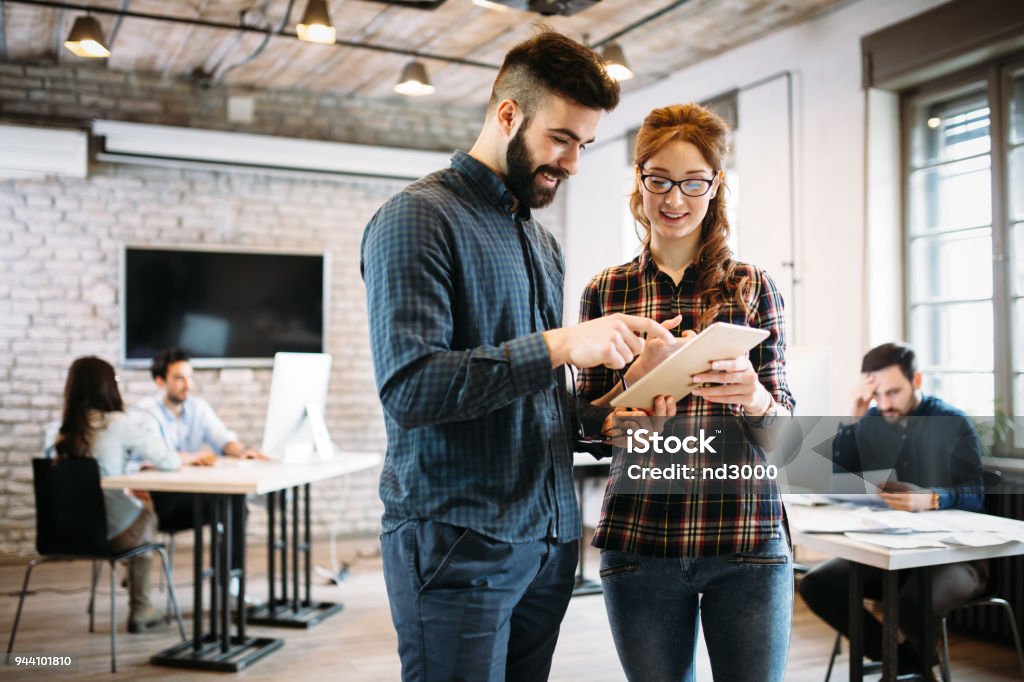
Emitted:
pixel 648 265
pixel 185 407
pixel 488 183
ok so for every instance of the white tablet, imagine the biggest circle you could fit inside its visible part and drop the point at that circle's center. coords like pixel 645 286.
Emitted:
pixel 720 341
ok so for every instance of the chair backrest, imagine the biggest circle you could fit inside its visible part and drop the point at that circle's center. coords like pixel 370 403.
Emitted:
pixel 71 518
pixel 991 478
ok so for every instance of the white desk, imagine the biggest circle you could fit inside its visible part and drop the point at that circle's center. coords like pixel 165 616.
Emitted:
pixel 226 485
pixel 242 477
pixel 891 561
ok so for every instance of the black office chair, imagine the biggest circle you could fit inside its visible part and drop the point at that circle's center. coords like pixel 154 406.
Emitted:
pixel 71 524
pixel 991 478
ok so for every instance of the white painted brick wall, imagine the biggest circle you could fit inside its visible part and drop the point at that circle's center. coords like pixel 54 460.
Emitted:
pixel 60 248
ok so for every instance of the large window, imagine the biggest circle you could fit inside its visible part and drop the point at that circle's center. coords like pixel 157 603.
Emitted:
pixel 965 238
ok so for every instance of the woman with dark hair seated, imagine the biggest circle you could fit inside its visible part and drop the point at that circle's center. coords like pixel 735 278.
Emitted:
pixel 94 425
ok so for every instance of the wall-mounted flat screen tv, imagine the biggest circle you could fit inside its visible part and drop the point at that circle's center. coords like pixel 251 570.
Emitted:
pixel 222 307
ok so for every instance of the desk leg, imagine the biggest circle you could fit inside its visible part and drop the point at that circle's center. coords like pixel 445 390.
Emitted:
pixel 271 553
pixel 215 541
pixel 294 611
pixel 224 569
pixel 283 499
pixel 197 573
pixel 890 624
pixel 926 646
pixel 856 622
pixel 219 650
pixel 295 549
pixel 308 548
pixel 238 502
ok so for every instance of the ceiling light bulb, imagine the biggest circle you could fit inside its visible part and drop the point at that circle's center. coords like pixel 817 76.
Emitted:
pixel 487 4
pixel 86 39
pixel 316 26
pixel 615 62
pixel 414 81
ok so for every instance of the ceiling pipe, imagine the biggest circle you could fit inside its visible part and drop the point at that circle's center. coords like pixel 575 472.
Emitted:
pixel 250 29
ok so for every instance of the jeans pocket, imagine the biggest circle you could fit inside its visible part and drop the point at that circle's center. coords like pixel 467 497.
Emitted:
pixel 433 549
pixel 614 564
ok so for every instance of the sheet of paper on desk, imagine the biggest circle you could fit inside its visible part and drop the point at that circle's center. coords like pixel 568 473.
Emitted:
pixel 957 521
pixel 832 520
pixel 911 541
pixel 922 523
pixel 975 539
pixel 804 499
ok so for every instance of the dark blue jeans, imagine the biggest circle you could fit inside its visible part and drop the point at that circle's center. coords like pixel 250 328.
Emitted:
pixel 744 601
pixel 468 607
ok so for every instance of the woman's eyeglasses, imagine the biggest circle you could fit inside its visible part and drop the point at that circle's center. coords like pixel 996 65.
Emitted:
pixel 691 187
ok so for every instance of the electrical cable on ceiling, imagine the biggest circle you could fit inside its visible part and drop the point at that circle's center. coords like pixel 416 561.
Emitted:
pixel 216 80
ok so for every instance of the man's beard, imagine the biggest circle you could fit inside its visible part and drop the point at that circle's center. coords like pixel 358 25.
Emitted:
pixel 522 176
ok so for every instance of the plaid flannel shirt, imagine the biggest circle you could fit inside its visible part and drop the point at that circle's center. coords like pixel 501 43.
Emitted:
pixel 459 289
pixel 711 522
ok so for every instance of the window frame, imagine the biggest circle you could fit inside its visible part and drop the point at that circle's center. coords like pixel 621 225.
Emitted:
pixel 996 79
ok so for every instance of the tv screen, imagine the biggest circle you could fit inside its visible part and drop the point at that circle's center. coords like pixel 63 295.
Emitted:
pixel 222 306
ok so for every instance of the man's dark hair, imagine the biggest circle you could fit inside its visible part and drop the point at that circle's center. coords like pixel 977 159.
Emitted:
pixel 889 354
pixel 550 63
pixel 165 359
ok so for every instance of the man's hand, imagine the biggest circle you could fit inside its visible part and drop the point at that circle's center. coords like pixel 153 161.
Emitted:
pixel 623 418
pixel 913 502
pixel 140 495
pixel 863 395
pixel 612 341
pixel 656 351
pixel 251 453
pixel 202 458
pixel 737 385
pixel 239 451
pixel 906 496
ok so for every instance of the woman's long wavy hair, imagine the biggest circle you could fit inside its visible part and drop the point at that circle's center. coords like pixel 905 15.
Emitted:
pixel 91 385
pixel 717 280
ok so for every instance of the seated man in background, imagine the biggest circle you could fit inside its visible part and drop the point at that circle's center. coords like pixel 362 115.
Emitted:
pixel 933 449
pixel 190 427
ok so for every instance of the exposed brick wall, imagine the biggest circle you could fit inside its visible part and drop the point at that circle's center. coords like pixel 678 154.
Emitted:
pixel 60 245
pixel 79 93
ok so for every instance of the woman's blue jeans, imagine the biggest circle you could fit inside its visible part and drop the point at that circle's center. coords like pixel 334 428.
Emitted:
pixel 744 601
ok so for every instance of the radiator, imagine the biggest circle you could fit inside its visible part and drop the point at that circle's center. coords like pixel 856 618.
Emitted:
pixel 991 623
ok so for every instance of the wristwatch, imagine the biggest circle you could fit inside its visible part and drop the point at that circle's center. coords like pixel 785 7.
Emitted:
pixel 935 501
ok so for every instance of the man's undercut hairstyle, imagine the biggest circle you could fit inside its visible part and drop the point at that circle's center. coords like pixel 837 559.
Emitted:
pixel 165 359
pixel 550 63
pixel 889 354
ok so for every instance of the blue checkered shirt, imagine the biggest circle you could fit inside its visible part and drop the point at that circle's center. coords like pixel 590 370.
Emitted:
pixel 459 289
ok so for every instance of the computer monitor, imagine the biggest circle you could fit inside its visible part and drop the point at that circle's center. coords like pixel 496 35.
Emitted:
pixel 294 429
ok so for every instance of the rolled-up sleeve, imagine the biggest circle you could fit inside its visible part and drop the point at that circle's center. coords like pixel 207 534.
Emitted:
pixel 215 433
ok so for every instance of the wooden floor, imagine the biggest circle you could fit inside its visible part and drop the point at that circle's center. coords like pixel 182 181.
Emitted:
pixel 359 645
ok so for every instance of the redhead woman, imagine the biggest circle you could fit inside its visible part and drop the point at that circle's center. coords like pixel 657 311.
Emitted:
pixel 714 558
